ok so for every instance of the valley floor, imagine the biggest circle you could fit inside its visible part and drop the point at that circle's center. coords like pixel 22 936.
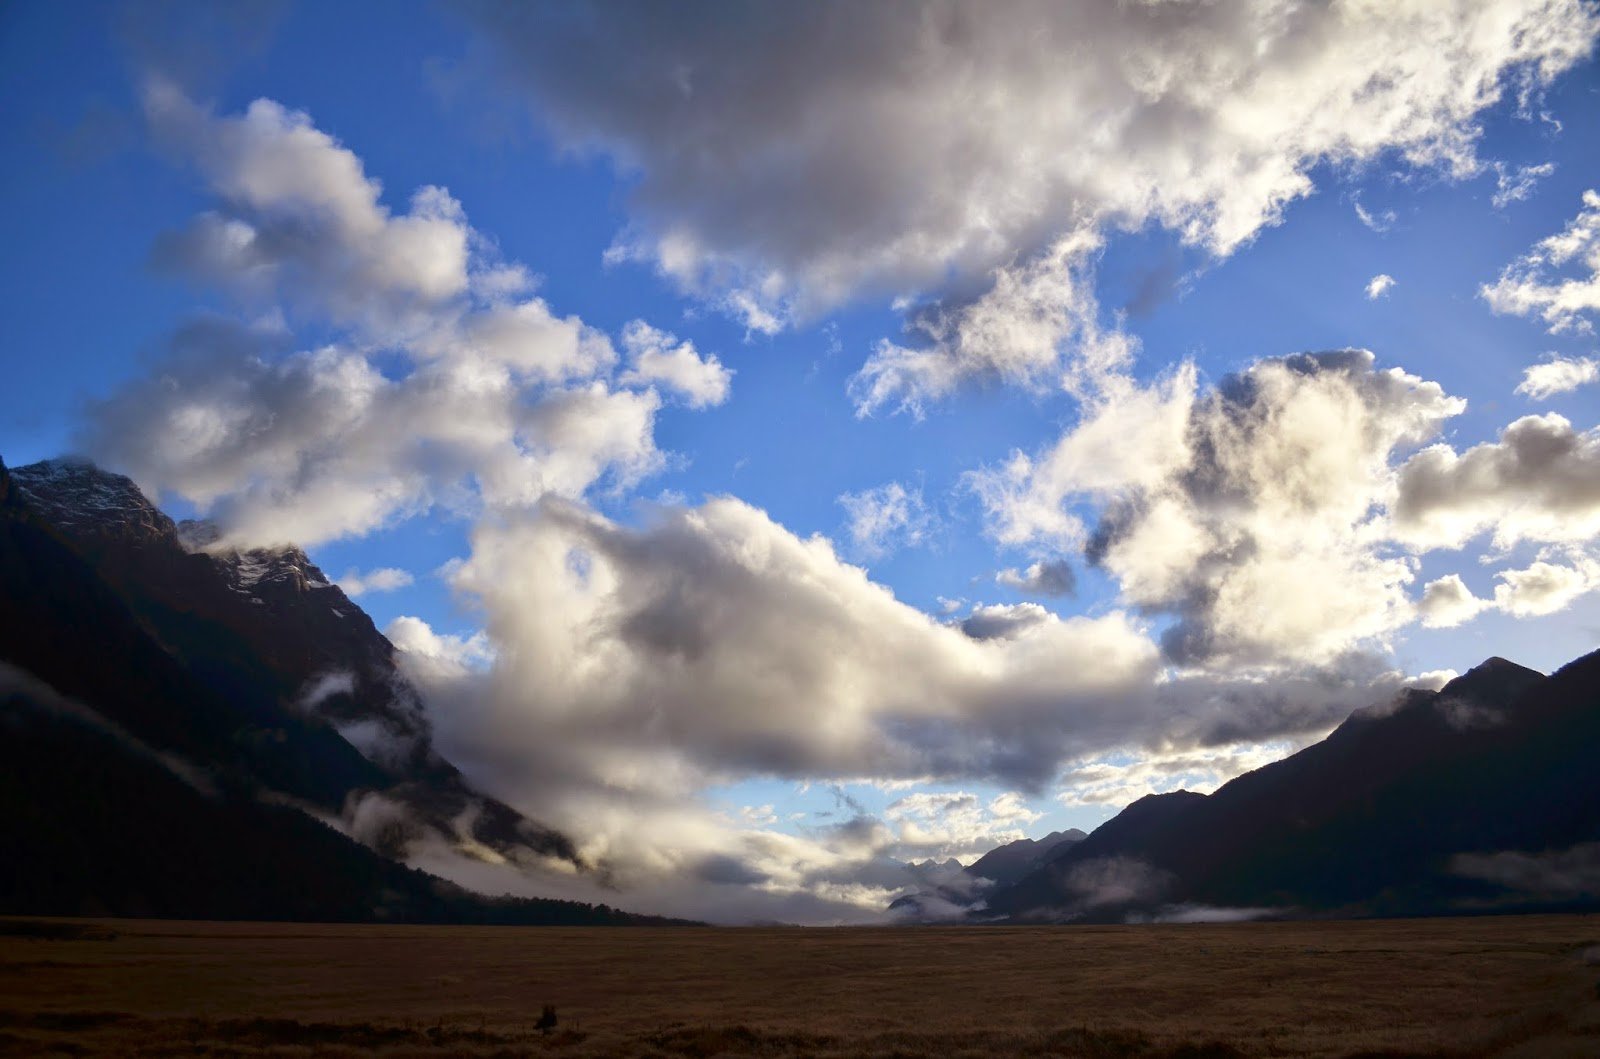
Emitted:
pixel 1524 986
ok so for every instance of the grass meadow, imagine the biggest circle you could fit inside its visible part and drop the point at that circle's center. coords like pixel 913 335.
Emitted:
pixel 1516 986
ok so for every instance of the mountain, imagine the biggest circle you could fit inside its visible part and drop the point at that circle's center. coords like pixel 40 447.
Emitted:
pixel 315 705
pixel 1008 863
pixel 1478 797
pixel 138 777
pixel 949 889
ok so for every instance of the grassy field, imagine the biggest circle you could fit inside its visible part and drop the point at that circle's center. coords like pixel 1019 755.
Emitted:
pixel 1502 986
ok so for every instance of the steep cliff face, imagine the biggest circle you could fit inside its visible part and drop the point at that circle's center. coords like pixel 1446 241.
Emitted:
pixel 315 705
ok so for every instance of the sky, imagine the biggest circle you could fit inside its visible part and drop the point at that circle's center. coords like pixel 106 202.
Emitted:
pixel 787 442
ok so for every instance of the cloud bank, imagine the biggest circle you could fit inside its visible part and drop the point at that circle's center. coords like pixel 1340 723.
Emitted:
pixel 969 161
pixel 497 402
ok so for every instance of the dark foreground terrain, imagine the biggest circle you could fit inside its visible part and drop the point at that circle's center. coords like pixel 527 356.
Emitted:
pixel 1490 986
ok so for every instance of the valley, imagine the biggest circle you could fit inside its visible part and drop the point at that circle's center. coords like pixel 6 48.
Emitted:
pixel 1503 985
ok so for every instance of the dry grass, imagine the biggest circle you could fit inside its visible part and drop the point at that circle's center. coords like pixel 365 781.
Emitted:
pixel 1513 986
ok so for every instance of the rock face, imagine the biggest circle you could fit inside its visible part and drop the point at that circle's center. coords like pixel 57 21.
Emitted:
pixel 1481 796
pixel 308 699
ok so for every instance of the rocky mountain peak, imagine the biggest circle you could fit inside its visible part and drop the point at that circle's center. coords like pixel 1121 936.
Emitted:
pixel 81 498
pixel 253 570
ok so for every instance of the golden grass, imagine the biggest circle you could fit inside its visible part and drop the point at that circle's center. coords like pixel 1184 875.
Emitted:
pixel 1513 986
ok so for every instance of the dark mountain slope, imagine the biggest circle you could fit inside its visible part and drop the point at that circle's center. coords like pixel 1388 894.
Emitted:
pixel 129 787
pixel 97 823
pixel 1369 821
pixel 300 669
pixel 1008 863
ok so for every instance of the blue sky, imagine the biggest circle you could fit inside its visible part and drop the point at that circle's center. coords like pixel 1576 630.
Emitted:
pixel 554 162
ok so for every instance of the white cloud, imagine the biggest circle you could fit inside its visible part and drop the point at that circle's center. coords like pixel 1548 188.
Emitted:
pixel 1053 577
pixel 1551 583
pixel 797 157
pixel 1246 512
pixel 486 398
pixel 1379 286
pixel 1380 222
pixel 297 213
pixel 1559 279
pixel 633 668
pixel 1514 185
pixel 1035 327
pixel 383 579
pixel 1433 679
pixel 702 381
pixel 1557 375
pixel 947 157
pixel 1539 482
pixel 1545 587
pixel 1447 602
pixel 941 824
pixel 885 518
pixel 438 656
pixel 1251 512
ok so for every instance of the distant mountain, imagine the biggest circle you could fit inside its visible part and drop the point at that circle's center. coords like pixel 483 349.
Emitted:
pixel 949 889
pixel 1481 796
pixel 1006 864
pixel 141 775
pixel 316 707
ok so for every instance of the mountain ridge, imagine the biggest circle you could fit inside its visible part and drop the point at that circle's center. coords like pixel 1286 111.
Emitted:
pixel 132 786
pixel 1371 820
pixel 267 630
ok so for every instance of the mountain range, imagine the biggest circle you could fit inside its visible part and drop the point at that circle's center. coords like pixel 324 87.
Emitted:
pixel 193 730
pixel 1482 796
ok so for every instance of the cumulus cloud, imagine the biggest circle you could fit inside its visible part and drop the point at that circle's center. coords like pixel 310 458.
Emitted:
pixel 948 158
pixel 791 158
pixel 718 637
pixel 1550 584
pixel 658 357
pixel 1226 509
pixel 1052 577
pixel 1559 279
pixel 1379 286
pixel 1247 513
pixel 297 212
pixel 486 397
pixel 635 667
pixel 1558 375
pixel 1036 327
pixel 1540 481
pixel 885 518
pixel 1545 587
pixel 1447 602
pixel 384 579
pixel 320 444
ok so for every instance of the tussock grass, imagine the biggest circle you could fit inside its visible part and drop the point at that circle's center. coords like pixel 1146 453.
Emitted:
pixel 1509 986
